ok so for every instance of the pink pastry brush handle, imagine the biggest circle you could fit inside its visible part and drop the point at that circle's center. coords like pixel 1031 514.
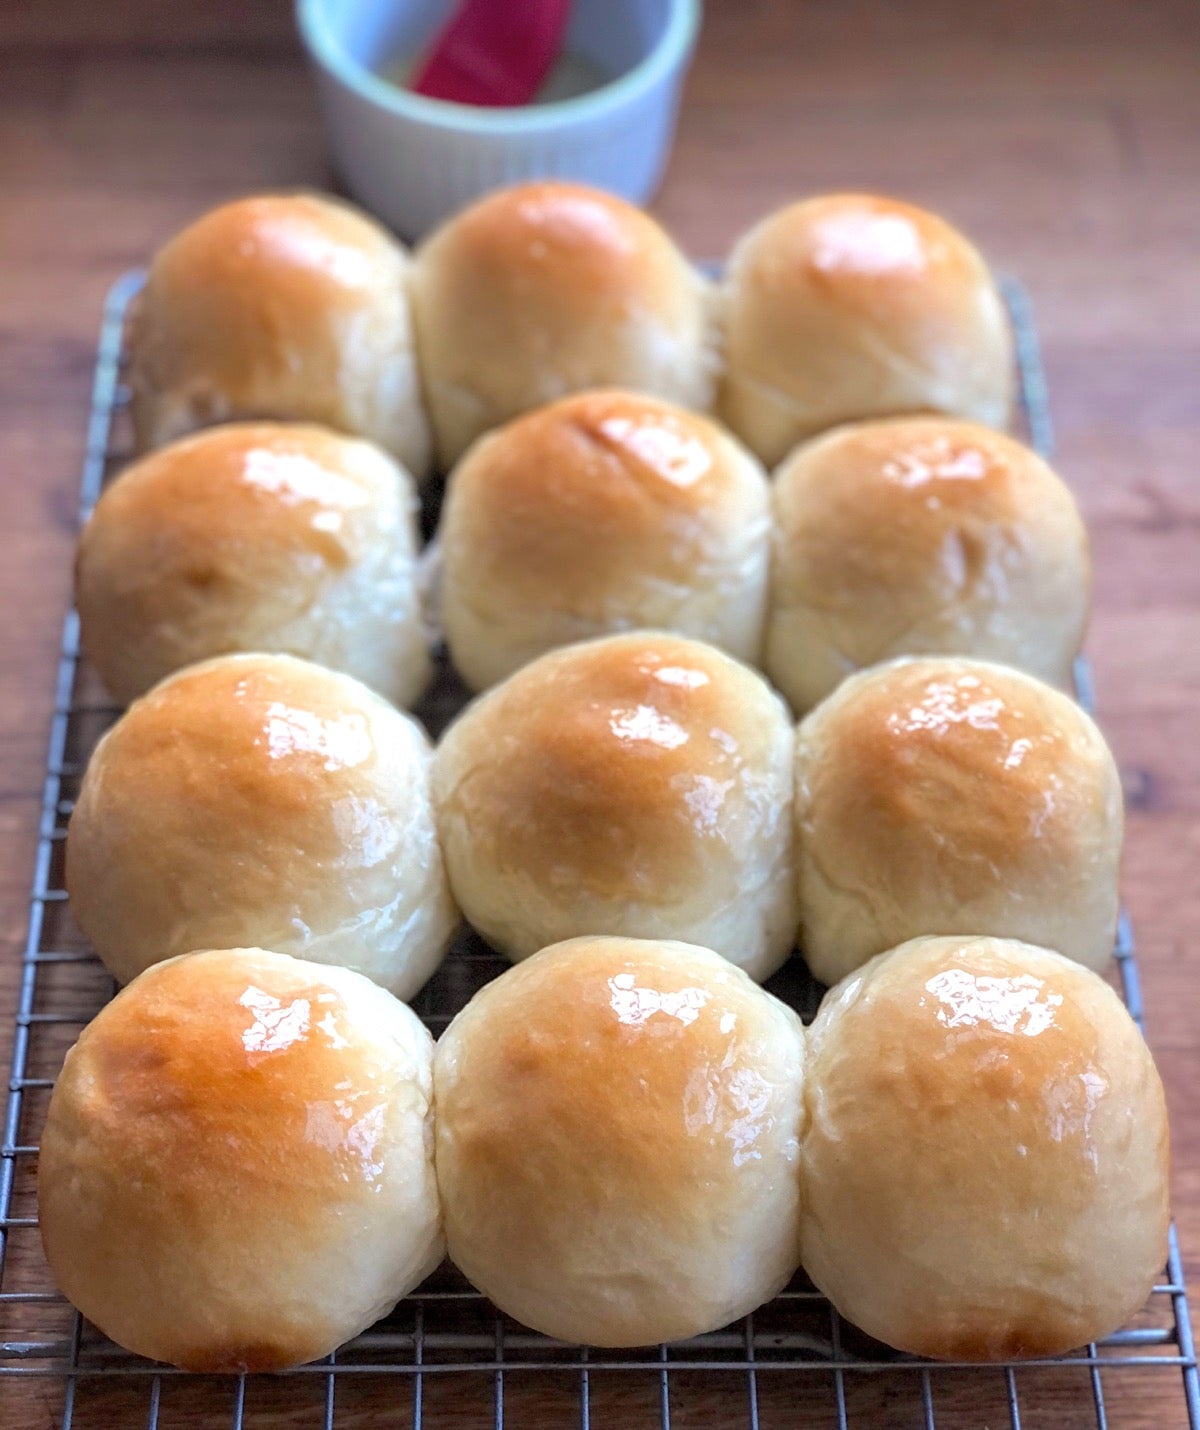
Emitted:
pixel 494 52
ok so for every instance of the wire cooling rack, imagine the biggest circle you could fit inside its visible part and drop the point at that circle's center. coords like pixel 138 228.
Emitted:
pixel 445 1356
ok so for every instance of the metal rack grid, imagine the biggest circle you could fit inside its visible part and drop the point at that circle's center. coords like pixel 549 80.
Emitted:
pixel 445 1355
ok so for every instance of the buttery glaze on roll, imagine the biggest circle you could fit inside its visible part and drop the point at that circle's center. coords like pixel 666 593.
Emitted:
pixel 851 306
pixel 287 306
pixel 237 1167
pixel 255 537
pixel 985 1161
pixel 636 785
pixel 921 535
pixel 603 512
pixel 551 288
pixel 938 796
pixel 262 800
pixel 617 1141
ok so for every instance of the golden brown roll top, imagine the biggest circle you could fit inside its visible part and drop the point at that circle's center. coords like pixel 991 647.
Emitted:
pixel 938 796
pixel 237 1166
pixel 985 1160
pixel 255 537
pixel 636 785
pixel 288 306
pixel 918 535
pixel 262 800
pixel 550 288
pixel 851 306
pixel 605 511
pixel 617 1141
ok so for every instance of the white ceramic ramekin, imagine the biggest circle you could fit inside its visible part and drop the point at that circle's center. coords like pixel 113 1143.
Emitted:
pixel 413 161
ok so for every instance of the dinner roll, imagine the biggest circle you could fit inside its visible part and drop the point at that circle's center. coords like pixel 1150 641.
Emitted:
pixel 237 1168
pixel 851 306
pixel 293 306
pixel 603 512
pixel 617 1141
pixel 985 1157
pixel 921 534
pixel 638 785
pixel 938 796
pixel 260 799
pixel 549 288
pixel 255 537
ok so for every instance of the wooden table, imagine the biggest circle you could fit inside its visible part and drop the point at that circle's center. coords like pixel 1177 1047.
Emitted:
pixel 1065 136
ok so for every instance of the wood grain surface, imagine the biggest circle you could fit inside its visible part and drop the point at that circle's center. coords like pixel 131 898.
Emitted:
pixel 1064 136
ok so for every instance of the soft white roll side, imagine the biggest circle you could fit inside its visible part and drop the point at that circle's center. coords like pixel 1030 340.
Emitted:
pixel 939 796
pixel 237 1168
pixel 262 800
pixel 545 289
pixel 985 1161
pixel 637 785
pixel 286 306
pixel 617 1141
pixel 604 512
pixel 255 537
